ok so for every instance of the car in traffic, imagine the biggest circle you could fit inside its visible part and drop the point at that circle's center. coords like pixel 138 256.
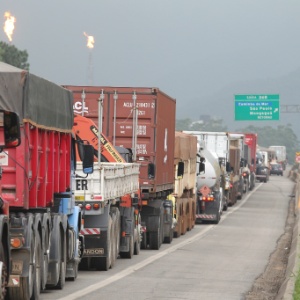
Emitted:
pixel 276 169
pixel 262 173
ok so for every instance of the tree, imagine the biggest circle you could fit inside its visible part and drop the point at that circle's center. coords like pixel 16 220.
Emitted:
pixel 280 136
pixel 11 55
pixel 213 124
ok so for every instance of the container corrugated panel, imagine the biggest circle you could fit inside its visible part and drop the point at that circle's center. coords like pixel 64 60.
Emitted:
pixel 235 157
pixel 247 153
pixel 251 141
pixel 156 126
pixel 185 151
pixel 37 169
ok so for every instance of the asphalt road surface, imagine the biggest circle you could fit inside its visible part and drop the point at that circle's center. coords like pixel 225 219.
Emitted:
pixel 211 262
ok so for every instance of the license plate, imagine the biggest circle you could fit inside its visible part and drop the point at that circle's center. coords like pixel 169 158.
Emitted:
pixel 79 198
pixel 92 252
pixel 17 267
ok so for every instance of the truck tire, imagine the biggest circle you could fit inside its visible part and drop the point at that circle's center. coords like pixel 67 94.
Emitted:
pixel 25 291
pixel 137 244
pixel 45 259
pixel 226 197
pixel 113 243
pixel 38 258
pixel 4 275
pixel 154 240
pixel 63 262
pixel 168 239
pixel 129 254
pixel 218 218
pixel 115 234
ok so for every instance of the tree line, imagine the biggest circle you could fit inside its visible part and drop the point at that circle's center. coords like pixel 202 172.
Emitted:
pixel 282 135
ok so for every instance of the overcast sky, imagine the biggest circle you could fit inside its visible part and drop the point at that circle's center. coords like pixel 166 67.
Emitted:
pixel 183 47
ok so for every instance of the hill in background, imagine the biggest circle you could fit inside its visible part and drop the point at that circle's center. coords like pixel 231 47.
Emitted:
pixel 221 103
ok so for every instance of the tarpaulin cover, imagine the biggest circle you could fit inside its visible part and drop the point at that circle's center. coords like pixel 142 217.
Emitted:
pixel 185 146
pixel 36 100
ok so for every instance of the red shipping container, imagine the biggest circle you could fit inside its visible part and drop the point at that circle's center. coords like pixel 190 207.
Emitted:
pixel 155 128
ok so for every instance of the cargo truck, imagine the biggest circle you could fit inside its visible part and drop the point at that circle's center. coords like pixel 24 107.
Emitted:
pixel 218 143
pixel 109 199
pixel 281 157
pixel 40 241
pixel 264 157
pixel 209 191
pixel 184 194
pixel 250 157
pixel 237 165
pixel 141 119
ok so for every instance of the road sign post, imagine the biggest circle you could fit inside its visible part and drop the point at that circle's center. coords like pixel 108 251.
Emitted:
pixel 256 107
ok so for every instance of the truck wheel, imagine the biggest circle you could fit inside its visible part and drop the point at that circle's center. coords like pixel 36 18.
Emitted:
pixel 37 260
pixel 137 244
pixel 154 240
pixel 4 275
pixel 168 239
pixel 113 244
pixel 25 291
pixel 226 196
pixel 218 218
pixel 225 207
pixel 63 259
pixel 45 257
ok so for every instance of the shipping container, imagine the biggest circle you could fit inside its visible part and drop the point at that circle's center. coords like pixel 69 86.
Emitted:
pixel 155 127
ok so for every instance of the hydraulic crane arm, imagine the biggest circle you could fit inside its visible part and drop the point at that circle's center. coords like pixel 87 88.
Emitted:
pixel 86 130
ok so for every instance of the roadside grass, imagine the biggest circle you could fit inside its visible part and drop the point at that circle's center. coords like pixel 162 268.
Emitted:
pixel 296 295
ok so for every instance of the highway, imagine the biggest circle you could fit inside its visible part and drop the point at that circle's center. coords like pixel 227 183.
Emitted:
pixel 210 262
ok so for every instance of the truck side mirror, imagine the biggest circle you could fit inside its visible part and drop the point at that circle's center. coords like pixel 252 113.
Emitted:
pixel 151 170
pixel 88 159
pixel 202 165
pixel 228 167
pixel 242 163
pixel 180 170
pixel 11 126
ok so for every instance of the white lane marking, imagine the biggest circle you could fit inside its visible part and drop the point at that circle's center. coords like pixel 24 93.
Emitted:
pixel 136 267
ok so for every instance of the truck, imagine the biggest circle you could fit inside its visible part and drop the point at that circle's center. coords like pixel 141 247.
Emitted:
pixel 40 242
pixel 184 194
pixel 263 158
pixel 250 157
pixel 216 175
pixel 225 146
pixel 141 119
pixel 238 166
pixel 109 199
pixel 281 157
pixel 209 190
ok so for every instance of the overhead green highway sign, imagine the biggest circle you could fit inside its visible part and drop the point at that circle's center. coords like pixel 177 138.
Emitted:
pixel 256 107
